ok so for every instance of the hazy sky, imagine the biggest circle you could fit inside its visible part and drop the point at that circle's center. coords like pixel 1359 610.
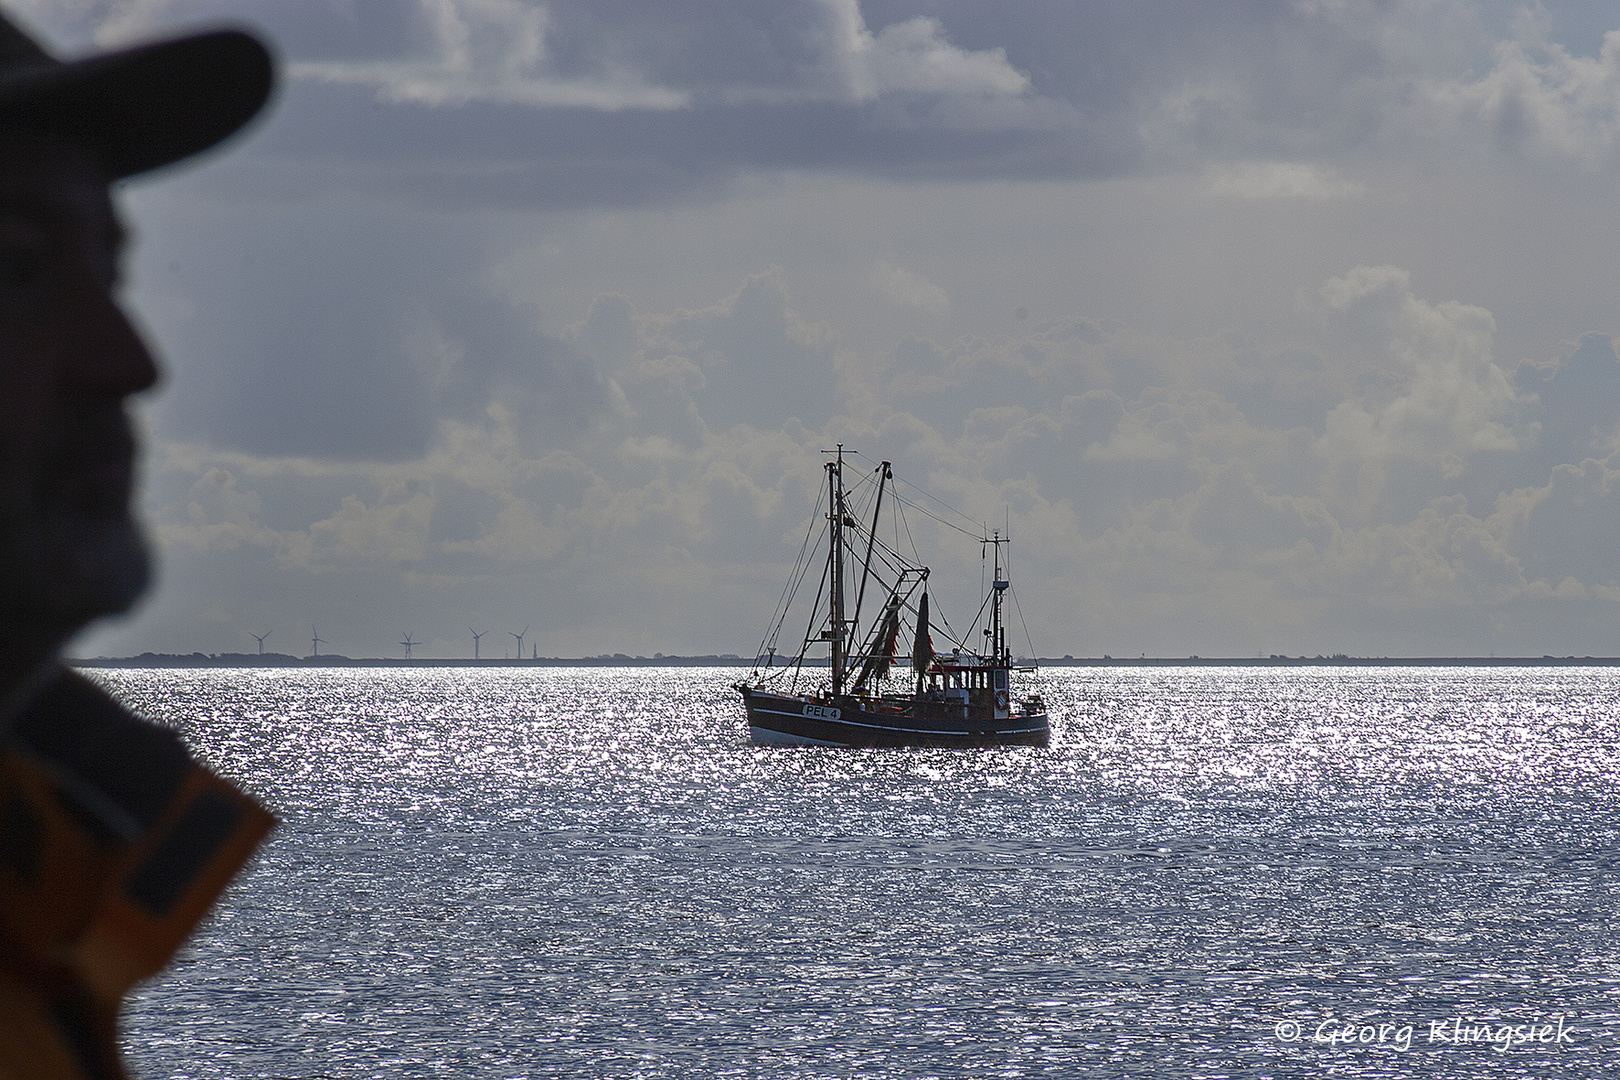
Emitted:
pixel 1266 326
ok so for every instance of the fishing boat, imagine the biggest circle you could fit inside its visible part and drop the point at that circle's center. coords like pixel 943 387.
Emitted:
pixel 853 697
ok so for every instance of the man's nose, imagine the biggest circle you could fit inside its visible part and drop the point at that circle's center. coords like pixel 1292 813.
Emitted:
pixel 109 357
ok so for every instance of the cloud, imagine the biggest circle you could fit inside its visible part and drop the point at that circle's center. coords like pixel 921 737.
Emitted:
pixel 914 57
pixel 1281 180
pixel 1145 503
pixel 1444 397
pixel 904 288
pixel 491 50
pixel 1579 399
pixel 1326 80
pixel 570 101
pixel 1563 526
pixel 218 516
pixel 391 532
pixel 649 56
pixel 335 331
pixel 1540 99
pixel 619 434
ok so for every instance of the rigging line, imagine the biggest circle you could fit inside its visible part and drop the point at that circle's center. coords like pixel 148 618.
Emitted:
pixel 947 631
pixel 800 567
pixel 900 513
pixel 877 624
pixel 815 609
pixel 923 509
pixel 871 542
pixel 947 507
pixel 1029 640
pixel 811 544
pixel 871 536
pixel 891 561
pixel 975 624
pixel 855 497
pixel 937 619
pixel 919 490
pixel 895 518
pixel 855 510
pixel 776 632
pixel 795 580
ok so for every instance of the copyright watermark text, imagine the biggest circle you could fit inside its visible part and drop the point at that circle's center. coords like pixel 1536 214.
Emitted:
pixel 1499 1035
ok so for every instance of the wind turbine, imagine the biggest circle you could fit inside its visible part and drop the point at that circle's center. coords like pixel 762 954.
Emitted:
pixel 315 640
pixel 476 635
pixel 260 639
pixel 407 643
pixel 519 641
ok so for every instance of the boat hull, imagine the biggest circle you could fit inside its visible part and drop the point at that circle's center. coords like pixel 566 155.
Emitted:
pixel 795 720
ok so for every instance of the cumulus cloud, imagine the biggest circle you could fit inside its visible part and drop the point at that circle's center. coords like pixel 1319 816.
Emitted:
pixel 1327 79
pixel 1446 397
pixel 363 348
pixel 640 100
pixel 1562 526
pixel 1538 98
pixel 905 288
pixel 492 50
pixel 1578 399
pixel 218 516
pixel 749 359
pixel 652 56
pixel 643 467
pixel 914 57
pixel 1143 499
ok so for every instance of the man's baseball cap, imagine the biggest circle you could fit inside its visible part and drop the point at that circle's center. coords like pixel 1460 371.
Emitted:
pixel 138 108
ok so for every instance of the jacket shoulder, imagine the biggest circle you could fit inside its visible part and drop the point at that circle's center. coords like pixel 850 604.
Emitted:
pixel 79 727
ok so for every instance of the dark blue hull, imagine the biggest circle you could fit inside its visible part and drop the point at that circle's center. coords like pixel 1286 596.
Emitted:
pixel 798 720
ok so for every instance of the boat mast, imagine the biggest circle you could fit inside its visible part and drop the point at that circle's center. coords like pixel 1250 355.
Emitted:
pixel 835 552
pixel 998 632
pixel 1001 656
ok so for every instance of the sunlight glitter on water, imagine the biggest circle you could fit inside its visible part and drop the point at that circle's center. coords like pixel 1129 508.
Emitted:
pixel 538 872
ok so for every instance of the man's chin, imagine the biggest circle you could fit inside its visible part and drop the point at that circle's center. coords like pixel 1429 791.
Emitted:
pixel 121 574
pixel 80 574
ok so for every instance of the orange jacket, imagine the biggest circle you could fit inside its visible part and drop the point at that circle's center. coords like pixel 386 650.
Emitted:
pixel 113 844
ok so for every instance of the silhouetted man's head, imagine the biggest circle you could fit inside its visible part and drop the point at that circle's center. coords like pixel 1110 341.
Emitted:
pixel 69 549
pixel 69 359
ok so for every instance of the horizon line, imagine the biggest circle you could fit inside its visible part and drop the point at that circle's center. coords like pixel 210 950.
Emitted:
pixel 247 660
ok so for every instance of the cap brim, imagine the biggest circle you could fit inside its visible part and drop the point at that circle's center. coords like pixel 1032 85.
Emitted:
pixel 145 107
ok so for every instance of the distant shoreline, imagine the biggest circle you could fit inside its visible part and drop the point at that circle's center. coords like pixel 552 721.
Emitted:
pixel 283 660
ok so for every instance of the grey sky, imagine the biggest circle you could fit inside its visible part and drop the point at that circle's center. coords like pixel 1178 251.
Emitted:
pixel 1269 327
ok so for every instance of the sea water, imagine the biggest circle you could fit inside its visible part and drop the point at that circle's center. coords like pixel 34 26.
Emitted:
pixel 588 872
